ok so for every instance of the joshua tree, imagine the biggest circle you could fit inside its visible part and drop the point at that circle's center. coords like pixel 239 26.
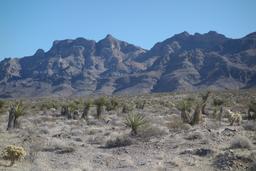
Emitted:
pixel 217 103
pixel 185 107
pixel 135 121
pixel 197 117
pixel 200 109
pixel 204 100
pixel 100 103
pixel 16 110
pixel 65 111
pixel 87 105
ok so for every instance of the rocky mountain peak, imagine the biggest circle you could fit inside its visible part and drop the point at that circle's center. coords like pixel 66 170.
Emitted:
pixel 184 62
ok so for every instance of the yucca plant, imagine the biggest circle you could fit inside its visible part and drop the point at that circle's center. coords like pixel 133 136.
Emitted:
pixel 70 110
pixel 65 111
pixel 204 100
pixel 87 105
pixel 100 103
pixel 185 107
pixel 135 121
pixel 16 110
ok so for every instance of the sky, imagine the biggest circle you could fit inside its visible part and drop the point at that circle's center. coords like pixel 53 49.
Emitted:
pixel 27 25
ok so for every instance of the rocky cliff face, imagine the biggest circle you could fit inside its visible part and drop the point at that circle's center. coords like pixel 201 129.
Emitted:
pixel 183 62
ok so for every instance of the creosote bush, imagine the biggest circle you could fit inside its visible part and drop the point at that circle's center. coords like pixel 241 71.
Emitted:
pixel 175 123
pixel 48 105
pixel 135 121
pixel 127 108
pixel 13 153
pixel 140 104
pixel 112 104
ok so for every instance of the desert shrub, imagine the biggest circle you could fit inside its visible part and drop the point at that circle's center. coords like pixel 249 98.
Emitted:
pixel 13 153
pixel 218 102
pixel 48 105
pixel 112 104
pixel 135 121
pixel 250 126
pixel 140 104
pixel 241 142
pixel 175 123
pixel 127 108
pixel 151 131
pixel 195 136
pixel 119 141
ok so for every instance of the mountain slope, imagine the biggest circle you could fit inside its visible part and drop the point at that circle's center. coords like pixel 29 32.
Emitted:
pixel 183 62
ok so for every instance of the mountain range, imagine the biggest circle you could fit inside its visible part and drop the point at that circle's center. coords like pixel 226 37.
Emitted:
pixel 184 62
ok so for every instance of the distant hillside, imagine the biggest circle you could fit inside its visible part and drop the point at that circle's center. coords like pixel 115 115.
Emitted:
pixel 183 62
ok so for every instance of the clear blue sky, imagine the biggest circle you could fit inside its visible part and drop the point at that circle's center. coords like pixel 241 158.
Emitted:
pixel 26 25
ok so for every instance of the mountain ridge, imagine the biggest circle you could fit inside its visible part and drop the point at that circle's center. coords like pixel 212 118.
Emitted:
pixel 183 62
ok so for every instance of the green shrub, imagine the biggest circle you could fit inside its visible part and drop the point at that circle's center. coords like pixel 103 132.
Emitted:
pixel 218 102
pixel 112 104
pixel 140 104
pixel 127 108
pixel 13 153
pixel 135 121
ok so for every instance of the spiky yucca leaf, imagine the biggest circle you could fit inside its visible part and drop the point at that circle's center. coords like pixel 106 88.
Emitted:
pixel 19 109
pixel 135 121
